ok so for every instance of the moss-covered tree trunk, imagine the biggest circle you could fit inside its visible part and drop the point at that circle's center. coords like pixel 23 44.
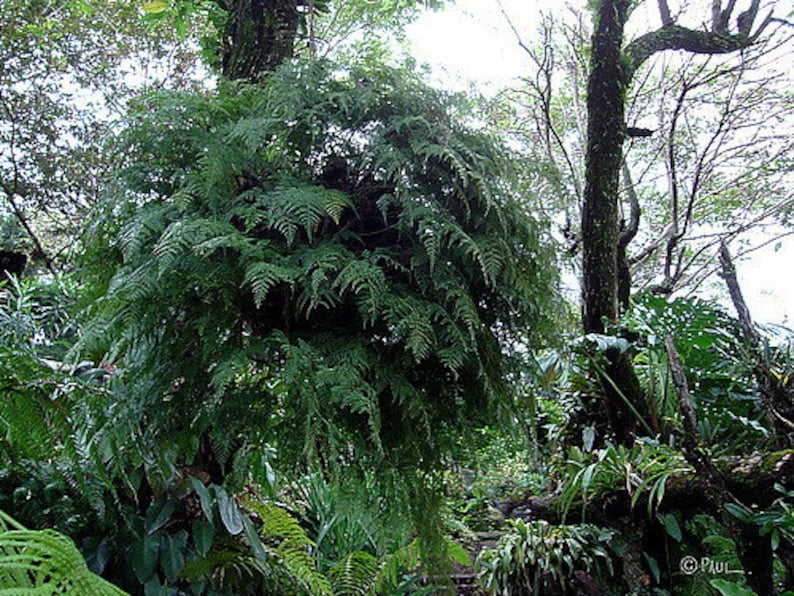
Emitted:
pixel 612 67
pixel 259 35
pixel 606 100
pixel 605 107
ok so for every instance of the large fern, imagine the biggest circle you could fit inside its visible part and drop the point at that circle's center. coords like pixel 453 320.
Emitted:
pixel 329 262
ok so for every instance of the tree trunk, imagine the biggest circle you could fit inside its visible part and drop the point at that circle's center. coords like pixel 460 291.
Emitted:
pixel 259 36
pixel 606 99
pixel 611 70
pixel 605 107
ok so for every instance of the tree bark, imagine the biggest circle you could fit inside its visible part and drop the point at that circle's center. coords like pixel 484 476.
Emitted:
pixel 259 36
pixel 611 70
pixel 606 100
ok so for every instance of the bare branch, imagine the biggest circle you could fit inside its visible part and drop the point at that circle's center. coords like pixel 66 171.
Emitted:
pixel 744 22
pixel 729 274
pixel 716 11
pixel 775 395
pixel 630 231
pixel 725 17
pixel 513 28
pixel 664 12
pixel 694 453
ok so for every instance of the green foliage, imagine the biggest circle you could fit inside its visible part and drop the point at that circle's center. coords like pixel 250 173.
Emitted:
pixel 498 469
pixel 51 457
pixel 64 76
pixel 44 562
pixel 325 27
pixel 330 261
pixel 711 539
pixel 729 588
pixel 642 471
pixel 12 234
pixel 287 542
pixel 199 538
pixel 718 367
pixel 278 550
pixel 777 520
pixel 533 556
pixel 355 575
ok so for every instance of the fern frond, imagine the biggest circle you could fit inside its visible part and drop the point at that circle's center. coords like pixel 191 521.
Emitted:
pixel 261 277
pixel 355 575
pixel 285 539
pixel 45 562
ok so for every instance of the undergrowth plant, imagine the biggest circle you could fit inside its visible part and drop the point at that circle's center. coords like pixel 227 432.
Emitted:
pixel 537 557
pixel 52 466
pixel 642 471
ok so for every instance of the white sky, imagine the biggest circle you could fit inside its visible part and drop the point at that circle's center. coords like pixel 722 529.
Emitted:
pixel 470 43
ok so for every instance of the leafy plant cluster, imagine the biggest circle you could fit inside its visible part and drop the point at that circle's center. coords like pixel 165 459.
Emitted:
pixel 534 557
pixel 327 270
pixel 731 421
pixel 642 471
pixel 725 394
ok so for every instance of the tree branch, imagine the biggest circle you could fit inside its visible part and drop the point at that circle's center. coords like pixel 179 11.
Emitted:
pixel 675 37
pixel 775 395
pixel 724 17
pixel 12 190
pixel 664 11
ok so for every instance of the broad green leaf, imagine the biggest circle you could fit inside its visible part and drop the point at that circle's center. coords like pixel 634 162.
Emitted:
pixel 230 514
pixel 203 534
pixel 153 587
pixel 205 497
pixel 172 553
pixel 653 565
pixel 727 588
pixel 738 512
pixel 671 526
pixel 159 514
pixel 155 6
pixel 775 539
pixel 143 556
pixel 254 540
